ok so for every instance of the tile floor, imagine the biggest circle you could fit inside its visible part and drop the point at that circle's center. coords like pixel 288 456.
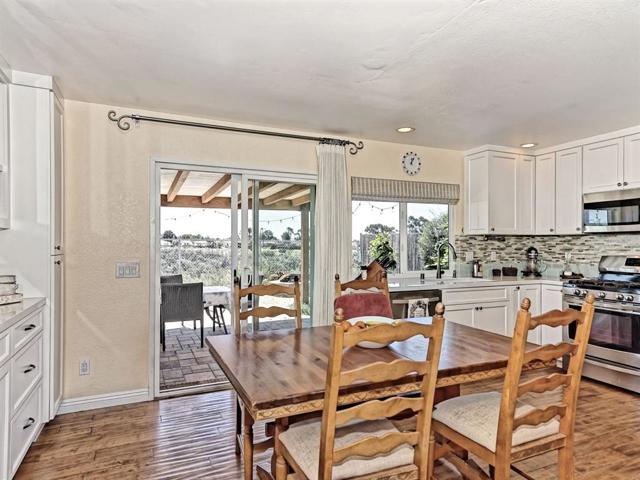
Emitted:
pixel 185 364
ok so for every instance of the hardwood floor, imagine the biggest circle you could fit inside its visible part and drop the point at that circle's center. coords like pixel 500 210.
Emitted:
pixel 192 438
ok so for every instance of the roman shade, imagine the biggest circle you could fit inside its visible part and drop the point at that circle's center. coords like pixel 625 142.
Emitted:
pixel 382 189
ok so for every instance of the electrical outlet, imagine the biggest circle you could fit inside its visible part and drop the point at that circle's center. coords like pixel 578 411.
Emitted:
pixel 127 269
pixel 468 256
pixel 85 367
pixel 494 256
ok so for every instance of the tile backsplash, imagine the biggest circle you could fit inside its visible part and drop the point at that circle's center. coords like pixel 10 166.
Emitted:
pixel 585 250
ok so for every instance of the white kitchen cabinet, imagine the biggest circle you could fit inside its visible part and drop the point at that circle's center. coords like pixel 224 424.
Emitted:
pixel 503 179
pixel 5 181
pixel 5 416
pixel 568 191
pixel 492 317
pixel 631 164
pixel 603 166
pixel 551 300
pixel 462 314
pixel 499 194
pixel 526 195
pixel 545 210
pixel 477 194
pixel 520 292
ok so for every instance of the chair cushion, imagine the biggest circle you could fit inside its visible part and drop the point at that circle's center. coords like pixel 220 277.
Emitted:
pixel 476 417
pixel 363 304
pixel 302 440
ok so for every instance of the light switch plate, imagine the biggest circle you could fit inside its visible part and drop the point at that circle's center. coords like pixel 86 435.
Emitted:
pixel 468 257
pixel 494 256
pixel 127 269
pixel 85 367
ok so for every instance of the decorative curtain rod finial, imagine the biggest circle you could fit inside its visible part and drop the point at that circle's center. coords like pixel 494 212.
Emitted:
pixel 121 121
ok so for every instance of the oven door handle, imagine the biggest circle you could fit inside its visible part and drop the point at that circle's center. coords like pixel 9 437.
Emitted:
pixel 612 367
pixel 599 306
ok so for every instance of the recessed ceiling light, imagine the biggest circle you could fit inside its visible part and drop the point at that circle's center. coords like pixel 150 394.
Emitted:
pixel 405 129
pixel 528 145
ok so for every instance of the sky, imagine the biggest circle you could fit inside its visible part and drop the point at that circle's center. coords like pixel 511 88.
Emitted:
pixel 216 223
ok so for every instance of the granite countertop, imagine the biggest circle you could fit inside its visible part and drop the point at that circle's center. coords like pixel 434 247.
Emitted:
pixel 14 312
pixel 409 284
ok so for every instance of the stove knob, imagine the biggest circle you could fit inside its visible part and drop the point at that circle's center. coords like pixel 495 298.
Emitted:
pixel 602 294
pixel 576 292
pixel 629 298
pixel 620 296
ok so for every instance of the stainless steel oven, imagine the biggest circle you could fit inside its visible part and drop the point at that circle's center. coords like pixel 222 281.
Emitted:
pixel 617 211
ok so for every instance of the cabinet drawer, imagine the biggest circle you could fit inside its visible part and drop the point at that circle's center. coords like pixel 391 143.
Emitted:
pixel 27 329
pixel 474 295
pixel 26 371
pixel 5 346
pixel 24 427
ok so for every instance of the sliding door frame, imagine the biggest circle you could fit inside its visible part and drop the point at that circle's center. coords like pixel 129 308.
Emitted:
pixel 156 164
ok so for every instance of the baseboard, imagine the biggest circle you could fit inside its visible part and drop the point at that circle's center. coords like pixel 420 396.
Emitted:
pixel 92 402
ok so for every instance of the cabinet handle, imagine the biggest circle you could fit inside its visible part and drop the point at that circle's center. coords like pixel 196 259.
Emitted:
pixel 30 368
pixel 625 183
pixel 31 326
pixel 551 229
pixel 517 288
pixel 578 229
pixel 619 184
pixel 493 229
pixel 58 262
pixel 57 247
pixel 29 423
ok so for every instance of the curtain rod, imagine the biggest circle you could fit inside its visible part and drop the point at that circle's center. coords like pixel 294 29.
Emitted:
pixel 124 124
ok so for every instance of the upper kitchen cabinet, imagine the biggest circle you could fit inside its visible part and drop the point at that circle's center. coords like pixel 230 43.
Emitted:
pixel 5 183
pixel 568 198
pixel 631 164
pixel 499 193
pixel 603 166
pixel 545 210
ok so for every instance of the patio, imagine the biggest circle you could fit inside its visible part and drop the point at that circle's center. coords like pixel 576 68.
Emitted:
pixel 185 364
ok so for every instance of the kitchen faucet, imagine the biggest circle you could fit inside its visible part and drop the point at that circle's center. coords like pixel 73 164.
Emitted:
pixel 439 254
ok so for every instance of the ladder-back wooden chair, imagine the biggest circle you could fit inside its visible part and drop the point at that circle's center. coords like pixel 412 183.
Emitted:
pixel 381 285
pixel 359 441
pixel 369 297
pixel 502 430
pixel 266 312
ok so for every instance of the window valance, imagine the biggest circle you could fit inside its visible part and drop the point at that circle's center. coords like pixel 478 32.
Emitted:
pixel 382 189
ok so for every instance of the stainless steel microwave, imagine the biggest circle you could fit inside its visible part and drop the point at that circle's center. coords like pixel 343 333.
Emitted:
pixel 617 211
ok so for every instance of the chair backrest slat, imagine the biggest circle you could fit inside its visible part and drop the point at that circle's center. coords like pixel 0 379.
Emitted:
pixel 376 409
pixel 359 284
pixel 263 312
pixel 512 388
pixel 372 446
pixel 544 384
pixel 550 352
pixel 379 371
pixel 538 415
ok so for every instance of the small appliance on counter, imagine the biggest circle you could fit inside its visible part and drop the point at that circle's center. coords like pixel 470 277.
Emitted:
pixel 9 290
pixel 533 265
pixel 476 269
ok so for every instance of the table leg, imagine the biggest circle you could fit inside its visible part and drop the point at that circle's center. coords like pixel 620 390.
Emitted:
pixel 247 444
pixel 281 425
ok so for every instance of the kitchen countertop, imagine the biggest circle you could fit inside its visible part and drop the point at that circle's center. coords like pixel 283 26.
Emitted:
pixel 14 312
pixel 411 284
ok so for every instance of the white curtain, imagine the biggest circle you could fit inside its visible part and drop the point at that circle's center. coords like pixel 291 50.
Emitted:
pixel 332 229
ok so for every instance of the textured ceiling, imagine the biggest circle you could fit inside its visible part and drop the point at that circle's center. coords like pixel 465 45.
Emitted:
pixel 463 72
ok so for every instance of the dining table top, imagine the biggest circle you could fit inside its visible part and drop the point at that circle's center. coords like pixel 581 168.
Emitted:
pixel 279 373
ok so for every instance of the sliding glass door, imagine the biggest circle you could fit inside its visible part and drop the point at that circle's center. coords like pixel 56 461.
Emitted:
pixel 273 240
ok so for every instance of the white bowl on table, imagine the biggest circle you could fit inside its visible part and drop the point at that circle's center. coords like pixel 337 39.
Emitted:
pixel 371 321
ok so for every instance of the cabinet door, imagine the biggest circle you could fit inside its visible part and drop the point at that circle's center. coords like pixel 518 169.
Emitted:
pixel 57 177
pixel 551 300
pixel 477 193
pixel 462 314
pixel 569 191
pixel 602 166
pixel 54 394
pixel 631 161
pixel 503 176
pixel 5 415
pixel 532 292
pixel 5 183
pixel 526 195
pixel 491 317
pixel 546 194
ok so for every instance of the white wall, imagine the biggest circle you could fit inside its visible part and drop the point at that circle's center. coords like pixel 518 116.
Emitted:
pixel 107 220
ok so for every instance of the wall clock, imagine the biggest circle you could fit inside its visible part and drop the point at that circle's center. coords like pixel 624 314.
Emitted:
pixel 411 163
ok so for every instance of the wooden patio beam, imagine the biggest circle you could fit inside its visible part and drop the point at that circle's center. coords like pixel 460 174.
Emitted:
pixel 176 185
pixel 282 194
pixel 195 201
pixel 301 200
pixel 216 188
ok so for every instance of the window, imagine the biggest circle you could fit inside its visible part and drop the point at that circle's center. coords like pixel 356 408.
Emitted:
pixel 406 235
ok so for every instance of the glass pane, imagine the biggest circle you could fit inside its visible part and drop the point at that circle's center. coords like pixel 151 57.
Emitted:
pixel 375 230
pixel 427 228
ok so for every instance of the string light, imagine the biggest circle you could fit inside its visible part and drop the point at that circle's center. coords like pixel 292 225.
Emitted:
pixel 191 215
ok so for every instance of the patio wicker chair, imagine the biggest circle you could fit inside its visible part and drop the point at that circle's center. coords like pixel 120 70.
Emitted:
pixel 181 302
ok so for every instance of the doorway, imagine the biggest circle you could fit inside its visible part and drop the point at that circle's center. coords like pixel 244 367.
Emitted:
pixel 210 225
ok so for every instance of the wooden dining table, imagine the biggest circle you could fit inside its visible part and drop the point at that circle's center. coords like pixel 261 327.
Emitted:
pixel 281 373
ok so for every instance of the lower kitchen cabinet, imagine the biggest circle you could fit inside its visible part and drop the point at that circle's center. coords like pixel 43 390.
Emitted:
pixel 5 415
pixel 551 300
pixel 532 292
pixel 491 317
